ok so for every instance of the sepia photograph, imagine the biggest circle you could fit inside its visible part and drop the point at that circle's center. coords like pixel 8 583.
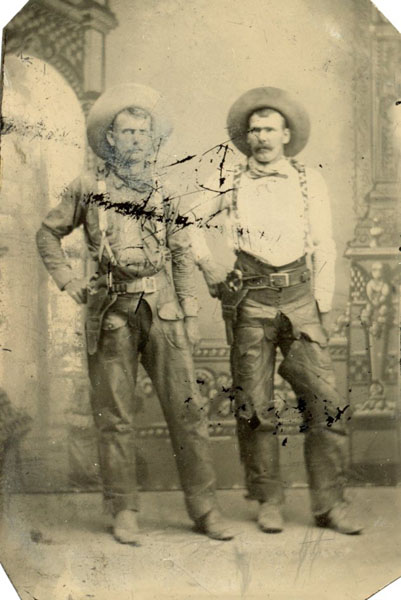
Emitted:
pixel 200 300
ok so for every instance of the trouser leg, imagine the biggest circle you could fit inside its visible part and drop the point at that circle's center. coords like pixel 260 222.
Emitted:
pixel 260 456
pixel 307 367
pixel 253 360
pixel 168 360
pixel 112 372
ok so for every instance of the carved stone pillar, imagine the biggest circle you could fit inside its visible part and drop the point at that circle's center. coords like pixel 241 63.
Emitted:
pixel 374 296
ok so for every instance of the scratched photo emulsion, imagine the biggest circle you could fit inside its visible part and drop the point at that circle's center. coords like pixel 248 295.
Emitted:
pixel 199 300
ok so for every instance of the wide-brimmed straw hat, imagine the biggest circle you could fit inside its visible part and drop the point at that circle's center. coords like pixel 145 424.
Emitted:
pixel 118 98
pixel 268 97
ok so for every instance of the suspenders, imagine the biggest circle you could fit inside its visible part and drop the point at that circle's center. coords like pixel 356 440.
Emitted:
pixel 104 241
pixel 233 209
pixel 240 169
pixel 105 246
pixel 303 184
pixel 103 224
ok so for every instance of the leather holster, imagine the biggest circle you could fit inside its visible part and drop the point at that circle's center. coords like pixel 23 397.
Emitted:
pixel 99 300
pixel 230 300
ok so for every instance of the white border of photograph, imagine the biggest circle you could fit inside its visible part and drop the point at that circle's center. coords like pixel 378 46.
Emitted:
pixel 392 11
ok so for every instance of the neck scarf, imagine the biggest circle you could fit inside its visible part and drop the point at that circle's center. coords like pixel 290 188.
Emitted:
pixel 256 169
pixel 139 182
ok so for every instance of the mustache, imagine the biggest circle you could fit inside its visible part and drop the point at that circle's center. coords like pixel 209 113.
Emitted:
pixel 126 157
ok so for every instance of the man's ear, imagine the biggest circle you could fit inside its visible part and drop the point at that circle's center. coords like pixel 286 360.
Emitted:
pixel 287 135
pixel 110 137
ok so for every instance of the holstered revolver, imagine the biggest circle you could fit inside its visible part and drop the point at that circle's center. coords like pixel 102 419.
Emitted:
pixel 231 294
pixel 99 300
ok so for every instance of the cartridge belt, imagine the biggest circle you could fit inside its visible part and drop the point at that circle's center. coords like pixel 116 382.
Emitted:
pixel 278 279
pixel 147 285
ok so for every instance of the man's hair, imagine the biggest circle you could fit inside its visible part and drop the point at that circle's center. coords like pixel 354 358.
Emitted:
pixel 266 112
pixel 136 112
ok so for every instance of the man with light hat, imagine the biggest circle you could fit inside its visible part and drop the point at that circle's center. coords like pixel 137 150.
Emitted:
pixel 141 303
pixel 279 295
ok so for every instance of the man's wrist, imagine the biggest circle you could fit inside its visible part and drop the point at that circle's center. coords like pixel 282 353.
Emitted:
pixel 190 307
pixel 62 277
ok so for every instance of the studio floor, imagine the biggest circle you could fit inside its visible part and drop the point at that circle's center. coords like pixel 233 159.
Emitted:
pixel 58 547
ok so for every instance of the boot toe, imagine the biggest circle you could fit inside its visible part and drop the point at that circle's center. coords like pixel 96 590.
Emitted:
pixel 270 519
pixel 125 527
pixel 214 526
pixel 340 519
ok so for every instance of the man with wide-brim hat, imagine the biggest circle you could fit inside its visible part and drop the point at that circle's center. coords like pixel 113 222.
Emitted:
pixel 114 101
pixel 296 118
pixel 141 303
pixel 279 295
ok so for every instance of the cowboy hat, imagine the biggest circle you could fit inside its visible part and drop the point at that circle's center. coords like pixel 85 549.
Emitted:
pixel 118 98
pixel 268 97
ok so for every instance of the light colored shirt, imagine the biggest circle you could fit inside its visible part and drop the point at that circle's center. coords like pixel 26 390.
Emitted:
pixel 273 224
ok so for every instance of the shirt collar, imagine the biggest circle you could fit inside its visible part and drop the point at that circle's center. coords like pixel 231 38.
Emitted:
pixel 136 184
pixel 116 181
pixel 281 168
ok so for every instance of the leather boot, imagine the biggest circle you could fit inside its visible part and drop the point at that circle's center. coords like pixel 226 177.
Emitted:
pixel 339 519
pixel 214 526
pixel 125 527
pixel 270 519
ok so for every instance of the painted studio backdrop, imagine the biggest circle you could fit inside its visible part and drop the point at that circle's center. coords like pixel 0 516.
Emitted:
pixel 342 61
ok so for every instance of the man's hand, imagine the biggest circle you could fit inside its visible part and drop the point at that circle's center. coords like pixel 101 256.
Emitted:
pixel 76 288
pixel 326 319
pixel 213 273
pixel 192 331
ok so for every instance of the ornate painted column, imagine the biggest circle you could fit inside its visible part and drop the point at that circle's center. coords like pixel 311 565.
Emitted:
pixel 373 372
pixel 70 36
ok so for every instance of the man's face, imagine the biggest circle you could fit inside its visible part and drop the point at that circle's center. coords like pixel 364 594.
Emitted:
pixel 131 138
pixel 267 136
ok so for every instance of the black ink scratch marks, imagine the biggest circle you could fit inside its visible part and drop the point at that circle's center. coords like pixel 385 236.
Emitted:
pixel 182 160
pixel 221 165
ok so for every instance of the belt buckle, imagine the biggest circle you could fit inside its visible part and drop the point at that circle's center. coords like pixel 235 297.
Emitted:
pixel 279 279
pixel 149 285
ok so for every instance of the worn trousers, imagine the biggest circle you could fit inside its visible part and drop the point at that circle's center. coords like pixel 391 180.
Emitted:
pixel 132 332
pixel 288 320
